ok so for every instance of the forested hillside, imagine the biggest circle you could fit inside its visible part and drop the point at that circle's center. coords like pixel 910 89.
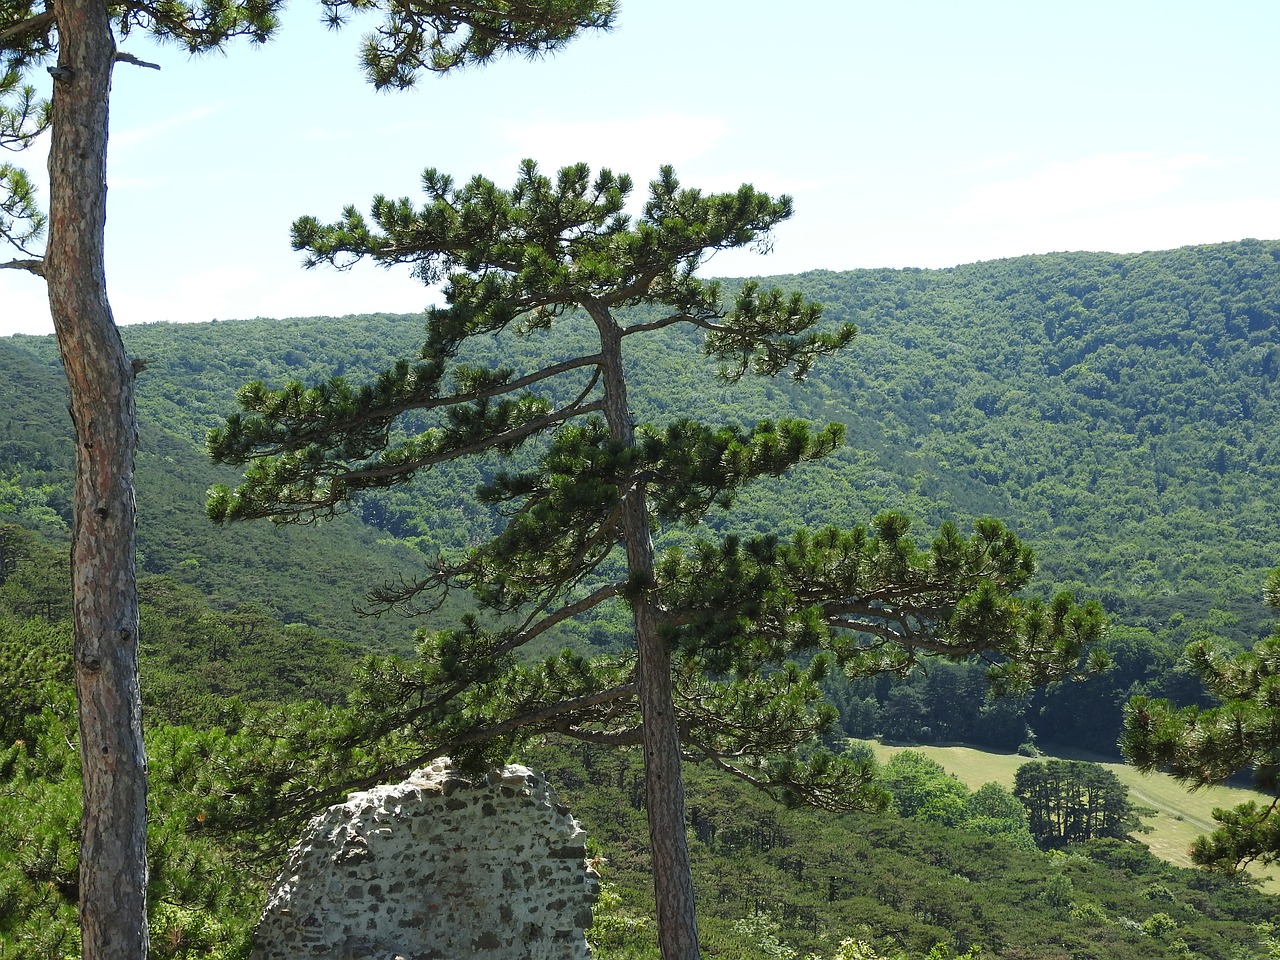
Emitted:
pixel 1119 412
pixel 913 879
pixel 300 575
pixel 941 865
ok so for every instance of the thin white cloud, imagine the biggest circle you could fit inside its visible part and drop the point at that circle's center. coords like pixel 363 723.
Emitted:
pixel 326 134
pixel 404 126
pixel 1064 190
pixel 995 161
pixel 637 146
pixel 140 134
pixel 344 133
pixel 1164 226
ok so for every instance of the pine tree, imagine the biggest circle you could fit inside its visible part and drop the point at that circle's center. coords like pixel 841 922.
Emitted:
pixel 713 624
pixel 23 117
pixel 80 35
pixel 1205 746
pixel 1071 801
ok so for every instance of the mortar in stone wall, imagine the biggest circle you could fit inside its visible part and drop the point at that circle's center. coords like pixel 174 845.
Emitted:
pixel 440 867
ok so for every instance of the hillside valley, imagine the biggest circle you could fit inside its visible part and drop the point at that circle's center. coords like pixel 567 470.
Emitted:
pixel 1119 413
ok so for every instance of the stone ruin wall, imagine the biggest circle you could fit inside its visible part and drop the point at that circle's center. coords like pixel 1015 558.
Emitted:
pixel 440 867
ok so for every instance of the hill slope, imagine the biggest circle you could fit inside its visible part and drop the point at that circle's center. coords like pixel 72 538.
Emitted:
pixel 1180 816
pixel 1120 412
pixel 313 575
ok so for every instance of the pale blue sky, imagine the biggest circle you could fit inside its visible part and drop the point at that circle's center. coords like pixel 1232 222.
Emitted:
pixel 920 133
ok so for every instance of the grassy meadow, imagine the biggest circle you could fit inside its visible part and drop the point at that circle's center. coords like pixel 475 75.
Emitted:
pixel 1181 814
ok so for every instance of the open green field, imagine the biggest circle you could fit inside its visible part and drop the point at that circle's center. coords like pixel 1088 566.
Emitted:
pixel 1181 814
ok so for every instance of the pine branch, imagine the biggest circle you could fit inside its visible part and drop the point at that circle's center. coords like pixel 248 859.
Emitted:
pixel 554 717
pixel 12 35
pixel 31 266
pixel 702 322
pixel 122 57
pixel 569 611
pixel 309 800
pixel 505 439
pixel 295 431
pixel 256 500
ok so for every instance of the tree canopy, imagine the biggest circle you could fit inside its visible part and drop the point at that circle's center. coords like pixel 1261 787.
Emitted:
pixel 1209 745
pixel 1071 801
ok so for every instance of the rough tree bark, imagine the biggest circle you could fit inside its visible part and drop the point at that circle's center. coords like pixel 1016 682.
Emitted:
pixel 664 779
pixel 113 862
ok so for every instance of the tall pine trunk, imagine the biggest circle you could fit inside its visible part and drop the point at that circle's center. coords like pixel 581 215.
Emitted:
pixel 663 778
pixel 113 864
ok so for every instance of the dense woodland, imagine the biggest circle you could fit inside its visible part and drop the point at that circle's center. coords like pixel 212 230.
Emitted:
pixel 1117 412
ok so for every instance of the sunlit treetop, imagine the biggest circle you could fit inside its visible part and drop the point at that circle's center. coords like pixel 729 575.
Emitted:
pixel 412 37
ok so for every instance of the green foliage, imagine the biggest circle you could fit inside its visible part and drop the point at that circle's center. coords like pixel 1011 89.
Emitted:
pixel 195 658
pixel 300 577
pixel 23 117
pixel 204 902
pixel 1071 801
pixel 22 222
pixel 1159 925
pixel 1104 487
pixel 39 830
pixel 439 36
pixel 994 811
pixel 1057 893
pixel 934 431
pixel 200 906
pixel 1270 941
pixel 889 887
pixel 36 449
pixel 37 657
pixel 1035 380
pixel 763 933
pixel 1201 746
pixel 549 247
pixel 924 791
pixel 919 784
pixel 731 609
pixel 897 887
pixel 714 625
pixel 34 581
pixel 522 261
pixel 614 926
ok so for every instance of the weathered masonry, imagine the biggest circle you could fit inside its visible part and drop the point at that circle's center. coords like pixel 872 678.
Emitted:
pixel 440 867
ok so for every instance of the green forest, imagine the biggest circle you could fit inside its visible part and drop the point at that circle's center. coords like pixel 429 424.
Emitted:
pixel 1116 413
